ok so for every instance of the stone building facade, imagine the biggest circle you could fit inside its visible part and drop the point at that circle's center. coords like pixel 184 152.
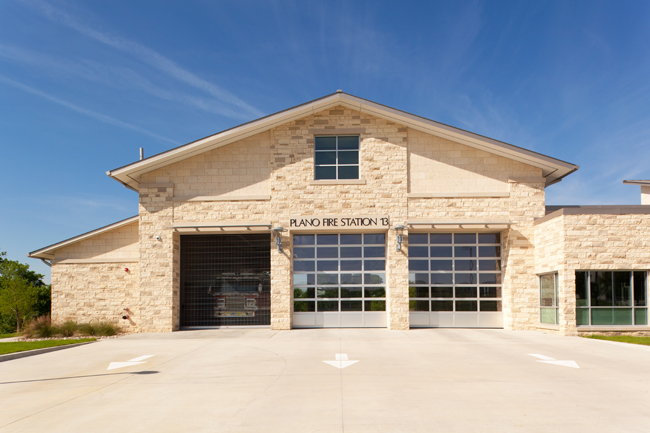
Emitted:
pixel 343 212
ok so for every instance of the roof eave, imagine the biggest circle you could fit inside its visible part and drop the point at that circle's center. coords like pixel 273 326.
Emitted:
pixel 552 169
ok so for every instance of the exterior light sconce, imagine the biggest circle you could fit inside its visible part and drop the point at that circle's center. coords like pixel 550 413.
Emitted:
pixel 278 237
pixel 399 230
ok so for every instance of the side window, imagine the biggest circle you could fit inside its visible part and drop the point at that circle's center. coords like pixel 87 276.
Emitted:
pixel 548 299
pixel 336 157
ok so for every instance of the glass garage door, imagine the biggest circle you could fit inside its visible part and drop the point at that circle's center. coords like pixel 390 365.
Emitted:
pixel 455 280
pixel 225 280
pixel 339 280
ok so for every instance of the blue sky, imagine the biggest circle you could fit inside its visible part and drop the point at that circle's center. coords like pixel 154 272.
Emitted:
pixel 84 84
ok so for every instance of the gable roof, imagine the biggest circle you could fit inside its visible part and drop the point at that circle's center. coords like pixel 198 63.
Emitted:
pixel 552 169
pixel 48 252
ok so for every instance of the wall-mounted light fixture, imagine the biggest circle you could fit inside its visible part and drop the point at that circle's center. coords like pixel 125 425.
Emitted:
pixel 278 237
pixel 399 230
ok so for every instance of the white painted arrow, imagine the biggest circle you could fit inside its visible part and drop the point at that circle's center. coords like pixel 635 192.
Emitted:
pixel 341 361
pixel 134 361
pixel 571 364
pixel 548 360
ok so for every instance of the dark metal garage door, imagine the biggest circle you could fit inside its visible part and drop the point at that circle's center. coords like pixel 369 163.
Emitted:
pixel 225 280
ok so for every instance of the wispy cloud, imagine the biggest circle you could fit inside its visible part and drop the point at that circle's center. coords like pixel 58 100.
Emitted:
pixel 114 76
pixel 143 53
pixel 90 113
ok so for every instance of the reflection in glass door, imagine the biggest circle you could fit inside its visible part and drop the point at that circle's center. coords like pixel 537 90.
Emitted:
pixel 455 279
pixel 339 280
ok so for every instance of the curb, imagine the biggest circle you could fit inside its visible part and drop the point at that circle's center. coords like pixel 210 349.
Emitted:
pixel 26 353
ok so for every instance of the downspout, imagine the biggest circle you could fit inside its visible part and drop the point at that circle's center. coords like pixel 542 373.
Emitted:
pixel 46 262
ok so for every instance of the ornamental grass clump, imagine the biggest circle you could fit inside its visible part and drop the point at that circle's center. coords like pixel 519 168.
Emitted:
pixel 107 329
pixel 41 327
pixel 99 329
pixel 87 329
pixel 68 328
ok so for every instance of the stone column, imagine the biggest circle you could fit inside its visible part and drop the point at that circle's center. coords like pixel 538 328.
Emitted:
pixel 281 283
pixel 159 248
pixel 567 301
pixel 520 286
pixel 397 289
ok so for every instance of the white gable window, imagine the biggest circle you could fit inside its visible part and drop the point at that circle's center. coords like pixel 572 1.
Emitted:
pixel 336 157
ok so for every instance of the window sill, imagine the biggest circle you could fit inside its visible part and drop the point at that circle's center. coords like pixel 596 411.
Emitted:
pixel 338 182
pixel 548 326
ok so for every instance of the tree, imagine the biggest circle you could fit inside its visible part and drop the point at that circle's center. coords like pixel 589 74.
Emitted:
pixel 22 291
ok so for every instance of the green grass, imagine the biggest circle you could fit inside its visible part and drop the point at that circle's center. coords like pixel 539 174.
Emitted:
pixel 21 346
pixel 622 339
pixel 15 334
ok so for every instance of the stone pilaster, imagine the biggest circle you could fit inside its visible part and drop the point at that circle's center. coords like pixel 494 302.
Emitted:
pixel 520 285
pixel 281 284
pixel 158 282
pixel 397 273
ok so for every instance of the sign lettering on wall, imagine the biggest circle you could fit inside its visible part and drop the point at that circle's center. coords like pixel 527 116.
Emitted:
pixel 311 222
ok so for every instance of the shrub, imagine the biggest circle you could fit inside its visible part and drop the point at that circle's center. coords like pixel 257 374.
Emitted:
pixel 68 328
pixel 99 329
pixel 107 329
pixel 87 329
pixel 41 327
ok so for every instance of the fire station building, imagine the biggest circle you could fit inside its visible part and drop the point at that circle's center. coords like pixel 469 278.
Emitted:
pixel 342 212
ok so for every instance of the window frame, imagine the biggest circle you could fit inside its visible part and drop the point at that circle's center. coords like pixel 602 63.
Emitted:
pixel 336 164
pixel 556 299
pixel 590 309
pixel 417 302
pixel 377 304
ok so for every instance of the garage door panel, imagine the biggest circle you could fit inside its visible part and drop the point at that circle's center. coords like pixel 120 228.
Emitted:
pixel 304 320
pixel 491 320
pixel 351 320
pixel 341 278
pixel 466 320
pixel 456 279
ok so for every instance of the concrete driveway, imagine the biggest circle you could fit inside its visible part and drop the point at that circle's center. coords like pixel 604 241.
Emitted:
pixel 258 380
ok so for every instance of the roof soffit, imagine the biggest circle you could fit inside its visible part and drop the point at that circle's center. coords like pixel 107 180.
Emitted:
pixel 553 169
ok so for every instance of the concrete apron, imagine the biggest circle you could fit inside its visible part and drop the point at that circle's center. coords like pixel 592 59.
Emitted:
pixel 252 380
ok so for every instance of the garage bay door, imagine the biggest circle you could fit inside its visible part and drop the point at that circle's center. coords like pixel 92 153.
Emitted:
pixel 339 280
pixel 455 280
pixel 225 280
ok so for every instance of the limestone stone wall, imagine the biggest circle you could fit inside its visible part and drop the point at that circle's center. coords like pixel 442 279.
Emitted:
pixel 383 167
pixel 89 281
pixel 119 243
pixel 238 169
pixel 605 241
pixel 158 285
pixel 97 291
pixel 550 257
pixel 438 165
pixel 520 289
pixel 573 242
pixel 381 191
pixel 524 205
